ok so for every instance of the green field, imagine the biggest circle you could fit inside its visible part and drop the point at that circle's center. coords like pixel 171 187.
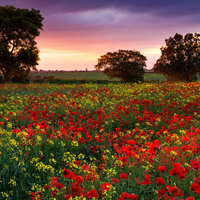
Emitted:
pixel 89 75
pixel 95 75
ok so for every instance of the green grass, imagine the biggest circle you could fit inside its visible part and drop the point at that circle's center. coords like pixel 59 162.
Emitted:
pixel 154 76
pixel 95 75
pixel 75 75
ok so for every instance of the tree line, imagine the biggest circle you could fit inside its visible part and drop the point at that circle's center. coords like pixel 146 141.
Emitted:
pixel 19 54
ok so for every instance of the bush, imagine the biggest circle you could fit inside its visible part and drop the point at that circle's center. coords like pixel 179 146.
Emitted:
pixel 154 81
pixel 73 81
pixel 82 81
pixel 38 77
pixel 192 78
pixel 50 77
pixel 22 78
pixel 38 81
pixel 2 80
pixel 62 81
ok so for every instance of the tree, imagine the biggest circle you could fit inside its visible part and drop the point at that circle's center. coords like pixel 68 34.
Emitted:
pixel 127 65
pixel 180 58
pixel 18 51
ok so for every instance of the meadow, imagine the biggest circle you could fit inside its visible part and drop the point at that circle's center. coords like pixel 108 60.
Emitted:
pixel 90 75
pixel 94 75
pixel 100 141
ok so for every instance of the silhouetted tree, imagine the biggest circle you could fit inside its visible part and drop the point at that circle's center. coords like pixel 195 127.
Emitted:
pixel 180 58
pixel 18 50
pixel 127 65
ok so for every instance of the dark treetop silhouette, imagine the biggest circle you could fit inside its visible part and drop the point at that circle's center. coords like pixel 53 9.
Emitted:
pixel 180 58
pixel 18 50
pixel 127 65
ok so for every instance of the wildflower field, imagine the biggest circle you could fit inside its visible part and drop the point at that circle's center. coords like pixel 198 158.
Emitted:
pixel 92 141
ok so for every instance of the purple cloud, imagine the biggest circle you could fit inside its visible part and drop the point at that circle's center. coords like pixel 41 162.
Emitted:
pixel 109 25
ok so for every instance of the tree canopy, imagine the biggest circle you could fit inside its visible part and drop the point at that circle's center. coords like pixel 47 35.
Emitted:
pixel 180 57
pixel 18 51
pixel 127 65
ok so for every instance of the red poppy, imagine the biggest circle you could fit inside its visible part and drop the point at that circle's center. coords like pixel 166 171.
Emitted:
pixel 67 173
pixel 197 180
pixel 176 165
pixel 131 142
pixel 68 196
pixel 195 164
pixel 184 148
pixel 175 171
pixel 146 179
pixel 118 129
pixel 162 168
pixel 124 160
pixel 198 190
pixel 161 193
pixel 79 179
pixel 115 180
pixel 194 186
pixel 53 180
pixel 190 198
pixel 105 186
pixel 125 196
pixel 54 192
pixel 137 181
pixel 32 194
pixel 59 185
pixel 181 176
pixel 77 162
pixel 176 191
pixel 92 194
pixel 85 167
pixel 160 181
pixel 91 178
pixel 34 119
pixel 123 176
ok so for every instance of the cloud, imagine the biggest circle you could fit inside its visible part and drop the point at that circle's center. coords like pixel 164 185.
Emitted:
pixel 94 15
pixel 90 26
pixel 167 8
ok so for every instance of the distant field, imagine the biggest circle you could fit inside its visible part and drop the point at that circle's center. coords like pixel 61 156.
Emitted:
pixel 89 75
pixel 95 75
pixel 75 75
pixel 154 76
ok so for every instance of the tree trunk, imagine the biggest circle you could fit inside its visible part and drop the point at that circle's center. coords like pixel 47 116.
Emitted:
pixel 187 77
pixel 5 75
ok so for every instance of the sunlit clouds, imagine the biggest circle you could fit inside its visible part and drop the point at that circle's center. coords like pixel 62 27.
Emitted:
pixel 76 33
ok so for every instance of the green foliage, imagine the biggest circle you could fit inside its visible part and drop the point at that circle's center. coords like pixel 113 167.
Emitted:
pixel 77 81
pixel 22 77
pixel 38 81
pixel 180 58
pixel 62 81
pixel 74 75
pixel 96 75
pixel 2 80
pixel 18 50
pixel 73 81
pixel 38 76
pixel 124 64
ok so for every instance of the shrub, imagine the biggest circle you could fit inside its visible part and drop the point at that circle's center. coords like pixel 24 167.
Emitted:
pixel 2 80
pixel 38 77
pixel 22 78
pixel 38 81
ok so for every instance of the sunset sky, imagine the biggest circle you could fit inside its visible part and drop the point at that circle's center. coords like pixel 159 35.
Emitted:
pixel 77 32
